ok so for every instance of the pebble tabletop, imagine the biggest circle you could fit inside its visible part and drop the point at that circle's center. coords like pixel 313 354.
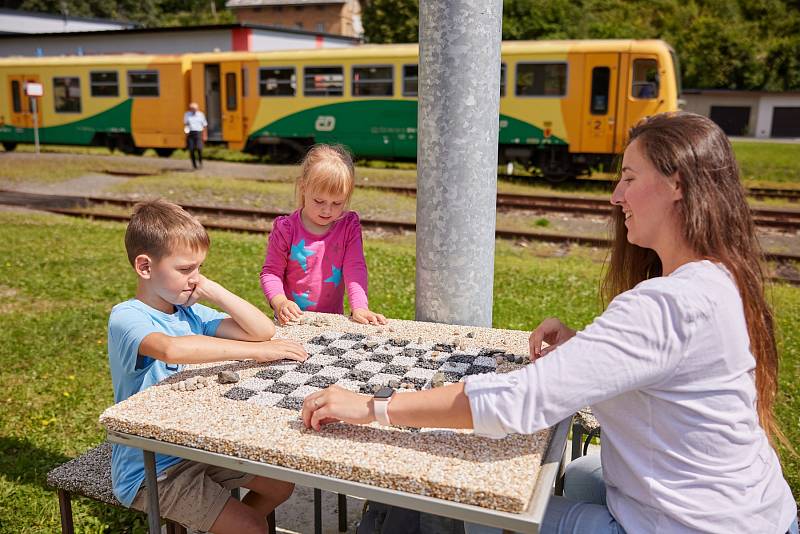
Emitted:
pixel 448 464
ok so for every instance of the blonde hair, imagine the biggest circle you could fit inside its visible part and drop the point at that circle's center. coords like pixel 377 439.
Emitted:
pixel 716 222
pixel 326 169
pixel 158 227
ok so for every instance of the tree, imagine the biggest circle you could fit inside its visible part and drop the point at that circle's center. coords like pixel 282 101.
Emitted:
pixel 391 21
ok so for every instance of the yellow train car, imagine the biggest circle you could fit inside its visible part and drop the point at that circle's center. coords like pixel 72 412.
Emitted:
pixel 565 106
pixel 130 102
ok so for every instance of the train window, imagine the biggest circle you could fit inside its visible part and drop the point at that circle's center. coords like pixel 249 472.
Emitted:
pixel 645 80
pixel 245 81
pixel 541 79
pixel 410 80
pixel 16 99
pixel 323 81
pixel 502 79
pixel 231 92
pixel 104 83
pixel 277 81
pixel 67 94
pixel 599 99
pixel 143 83
pixel 373 81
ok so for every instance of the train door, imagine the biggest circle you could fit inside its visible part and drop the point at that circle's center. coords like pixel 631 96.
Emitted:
pixel 231 72
pixel 213 110
pixel 644 94
pixel 20 104
pixel 600 103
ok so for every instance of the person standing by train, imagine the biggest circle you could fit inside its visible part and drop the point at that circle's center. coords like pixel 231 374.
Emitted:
pixel 194 125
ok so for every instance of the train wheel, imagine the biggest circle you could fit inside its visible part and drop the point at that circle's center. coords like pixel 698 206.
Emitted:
pixel 557 178
pixel 9 145
pixel 164 152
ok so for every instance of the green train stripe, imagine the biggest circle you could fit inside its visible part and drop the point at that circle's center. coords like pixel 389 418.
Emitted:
pixel 381 128
pixel 81 132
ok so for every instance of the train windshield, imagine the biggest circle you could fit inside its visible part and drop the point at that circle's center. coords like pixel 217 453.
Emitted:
pixel 676 65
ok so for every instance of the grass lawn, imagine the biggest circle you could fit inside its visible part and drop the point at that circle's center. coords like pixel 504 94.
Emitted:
pixel 59 278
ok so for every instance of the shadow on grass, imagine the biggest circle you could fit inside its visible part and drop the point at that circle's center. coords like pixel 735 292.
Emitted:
pixel 22 462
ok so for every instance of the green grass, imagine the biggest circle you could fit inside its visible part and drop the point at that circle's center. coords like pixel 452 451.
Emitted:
pixel 768 164
pixel 60 277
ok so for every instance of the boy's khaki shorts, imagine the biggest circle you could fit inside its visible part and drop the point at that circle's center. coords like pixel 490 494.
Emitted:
pixel 193 494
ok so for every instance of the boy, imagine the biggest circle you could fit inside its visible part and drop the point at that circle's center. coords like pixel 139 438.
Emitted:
pixel 151 336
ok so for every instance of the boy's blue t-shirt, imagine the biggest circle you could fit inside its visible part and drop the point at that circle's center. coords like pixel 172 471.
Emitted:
pixel 130 322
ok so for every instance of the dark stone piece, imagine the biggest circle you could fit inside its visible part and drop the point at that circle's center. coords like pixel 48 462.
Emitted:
pixel 346 363
pixel 398 370
pixel 470 334
pixel 413 353
pixel 519 359
pixel 444 347
pixel 227 377
pixel 290 403
pixel 321 381
pixel 396 342
pixel 382 358
pixel 353 337
pixel 461 358
pixel 237 393
pixel 270 373
pixel 360 376
pixel 509 357
pixel 479 370
pixel 333 351
pixel 425 363
pixel 310 368
pixel 417 382
pixel 491 352
pixel 319 340
pixel 282 388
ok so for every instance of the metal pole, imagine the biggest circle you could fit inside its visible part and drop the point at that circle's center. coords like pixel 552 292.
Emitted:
pixel 35 125
pixel 151 482
pixel 459 103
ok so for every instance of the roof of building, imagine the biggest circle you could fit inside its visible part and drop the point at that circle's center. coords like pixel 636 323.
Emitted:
pixel 51 16
pixel 256 3
pixel 184 29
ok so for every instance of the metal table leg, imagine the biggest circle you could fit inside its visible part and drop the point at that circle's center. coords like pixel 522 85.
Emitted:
pixel 317 511
pixel 65 507
pixel 153 513
pixel 342 512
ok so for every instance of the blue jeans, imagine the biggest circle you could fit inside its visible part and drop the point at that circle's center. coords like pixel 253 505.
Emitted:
pixel 582 509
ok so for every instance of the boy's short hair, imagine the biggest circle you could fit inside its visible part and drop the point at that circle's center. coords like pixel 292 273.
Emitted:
pixel 157 227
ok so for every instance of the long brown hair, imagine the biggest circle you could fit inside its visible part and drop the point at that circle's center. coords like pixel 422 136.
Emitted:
pixel 716 224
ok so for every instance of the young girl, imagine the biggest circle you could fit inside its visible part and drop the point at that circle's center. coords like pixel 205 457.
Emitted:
pixel 316 252
pixel 681 369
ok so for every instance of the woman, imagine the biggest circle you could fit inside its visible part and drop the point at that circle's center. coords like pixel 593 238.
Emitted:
pixel 685 349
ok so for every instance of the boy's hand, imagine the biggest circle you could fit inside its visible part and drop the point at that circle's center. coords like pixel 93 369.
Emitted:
pixel 365 316
pixel 205 289
pixel 288 311
pixel 279 349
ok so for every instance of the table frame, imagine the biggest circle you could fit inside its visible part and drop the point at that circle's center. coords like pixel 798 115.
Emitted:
pixel 527 521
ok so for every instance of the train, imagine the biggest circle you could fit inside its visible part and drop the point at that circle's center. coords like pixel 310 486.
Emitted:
pixel 565 106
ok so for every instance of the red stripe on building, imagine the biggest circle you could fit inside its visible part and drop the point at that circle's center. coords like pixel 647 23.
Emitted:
pixel 242 39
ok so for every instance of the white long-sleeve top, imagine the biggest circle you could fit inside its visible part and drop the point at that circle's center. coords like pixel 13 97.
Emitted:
pixel 668 372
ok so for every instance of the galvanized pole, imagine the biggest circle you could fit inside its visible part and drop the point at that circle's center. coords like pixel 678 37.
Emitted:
pixel 459 101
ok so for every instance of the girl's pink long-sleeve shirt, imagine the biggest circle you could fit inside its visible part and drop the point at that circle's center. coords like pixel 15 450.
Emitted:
pixel 313 270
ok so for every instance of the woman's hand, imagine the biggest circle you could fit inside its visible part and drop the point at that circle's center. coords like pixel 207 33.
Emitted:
pixel 551 331
pixel 336 404
pixel 365 316
pixel 288 311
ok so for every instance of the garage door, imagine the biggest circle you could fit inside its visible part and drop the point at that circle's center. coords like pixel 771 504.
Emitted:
pixel 786 122
pixel 733 120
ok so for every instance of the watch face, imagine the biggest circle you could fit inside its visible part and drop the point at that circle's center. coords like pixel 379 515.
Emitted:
pixel 384 393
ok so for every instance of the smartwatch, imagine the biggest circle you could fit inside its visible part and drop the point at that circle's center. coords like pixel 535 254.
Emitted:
pixel 380 403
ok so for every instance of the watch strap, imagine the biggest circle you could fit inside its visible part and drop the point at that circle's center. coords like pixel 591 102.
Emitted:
pixel 381 407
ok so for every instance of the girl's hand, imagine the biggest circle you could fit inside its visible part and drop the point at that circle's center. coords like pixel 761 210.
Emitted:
pixel 336 404
pixel 364 316
pixel 280 349
pixel 289 311
pixel 551 331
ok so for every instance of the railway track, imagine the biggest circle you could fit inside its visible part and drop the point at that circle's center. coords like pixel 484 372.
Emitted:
pixel 765 217
pixel 233 219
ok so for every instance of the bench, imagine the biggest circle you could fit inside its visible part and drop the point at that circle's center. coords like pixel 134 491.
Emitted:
pixel 89 475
